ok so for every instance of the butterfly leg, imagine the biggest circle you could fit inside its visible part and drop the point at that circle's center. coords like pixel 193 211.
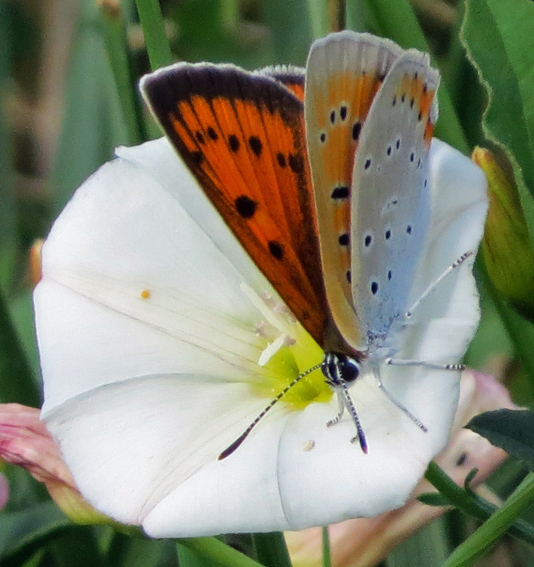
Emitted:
pixel 437 281
pixel 392 398
pixel 345 401
pixel 341 411
pixel 431 365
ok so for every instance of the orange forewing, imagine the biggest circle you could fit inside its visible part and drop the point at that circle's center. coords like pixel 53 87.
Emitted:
pixel 242 136
pixel 337 153
pixel 291 77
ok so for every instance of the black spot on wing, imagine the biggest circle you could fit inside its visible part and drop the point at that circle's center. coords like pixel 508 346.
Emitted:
pixel 197 157
pixel 212 134
pixel 344 239
pixel 233 143
pixel 276 250
pixel 341 192
pixel 255 145
pixel 245 206
pixel 296 163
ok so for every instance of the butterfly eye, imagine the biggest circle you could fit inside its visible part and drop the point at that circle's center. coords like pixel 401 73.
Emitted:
pixel 339 368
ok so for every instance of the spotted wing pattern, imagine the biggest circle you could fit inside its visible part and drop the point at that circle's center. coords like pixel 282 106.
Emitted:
pixel 390 204
pixel 344 73
pixel 242 136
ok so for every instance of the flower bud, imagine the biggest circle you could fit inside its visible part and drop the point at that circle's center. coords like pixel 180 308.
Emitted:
pixel 25 441
pixel 506 247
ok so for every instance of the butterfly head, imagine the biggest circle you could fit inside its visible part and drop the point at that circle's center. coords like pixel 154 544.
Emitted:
pixel 339 368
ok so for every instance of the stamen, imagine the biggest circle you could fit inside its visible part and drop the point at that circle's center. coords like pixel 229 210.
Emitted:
pixel 271 315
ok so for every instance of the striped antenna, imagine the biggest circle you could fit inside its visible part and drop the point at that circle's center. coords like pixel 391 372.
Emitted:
pixel 230 449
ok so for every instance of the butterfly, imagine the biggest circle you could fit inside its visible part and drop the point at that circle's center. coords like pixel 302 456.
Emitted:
pixel 322 175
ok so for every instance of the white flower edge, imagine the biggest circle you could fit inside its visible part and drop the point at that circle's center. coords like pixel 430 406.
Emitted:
pixel 149 357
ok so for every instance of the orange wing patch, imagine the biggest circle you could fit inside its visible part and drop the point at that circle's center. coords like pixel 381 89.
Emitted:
pixel 420 96
pixel 340 115
pixel 242 136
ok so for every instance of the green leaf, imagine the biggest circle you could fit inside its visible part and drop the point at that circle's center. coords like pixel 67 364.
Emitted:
pixel 500 43
pixel 520 331
pixel 17 383
pixel 271 550
pixel 426 547
pixel 511 430
pixel 78 546
pixel 8 244
pixel 291 24
pixel 470 503
pixel 434 499
pixel 327 549
pixel 128 551
pixel 485 537
pixel 93 125
pixel 156 40
pixel 23 533
pixel 114 32
pixel 191 558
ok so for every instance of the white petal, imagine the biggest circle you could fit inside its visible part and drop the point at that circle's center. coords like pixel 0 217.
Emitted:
pixel 161 161
pixel 445 321
pixel 120 236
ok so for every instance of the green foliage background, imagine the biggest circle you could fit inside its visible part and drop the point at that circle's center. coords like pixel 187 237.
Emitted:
pixel 68 74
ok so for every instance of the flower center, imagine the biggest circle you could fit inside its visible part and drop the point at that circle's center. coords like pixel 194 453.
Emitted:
pixel 289 351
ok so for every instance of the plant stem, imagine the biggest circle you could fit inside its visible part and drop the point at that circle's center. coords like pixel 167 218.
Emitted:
pixel 472 504
pixel 218 551
pixel 485 537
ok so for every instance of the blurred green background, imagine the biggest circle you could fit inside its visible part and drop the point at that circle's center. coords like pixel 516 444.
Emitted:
pixel 68 74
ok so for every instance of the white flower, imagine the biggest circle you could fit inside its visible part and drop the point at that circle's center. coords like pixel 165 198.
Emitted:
pixel 151 321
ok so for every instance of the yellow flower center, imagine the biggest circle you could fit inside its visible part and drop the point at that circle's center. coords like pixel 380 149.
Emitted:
pixel 289 351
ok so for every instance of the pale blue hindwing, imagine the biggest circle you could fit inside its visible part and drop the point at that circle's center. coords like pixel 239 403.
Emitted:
pixel 390 206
